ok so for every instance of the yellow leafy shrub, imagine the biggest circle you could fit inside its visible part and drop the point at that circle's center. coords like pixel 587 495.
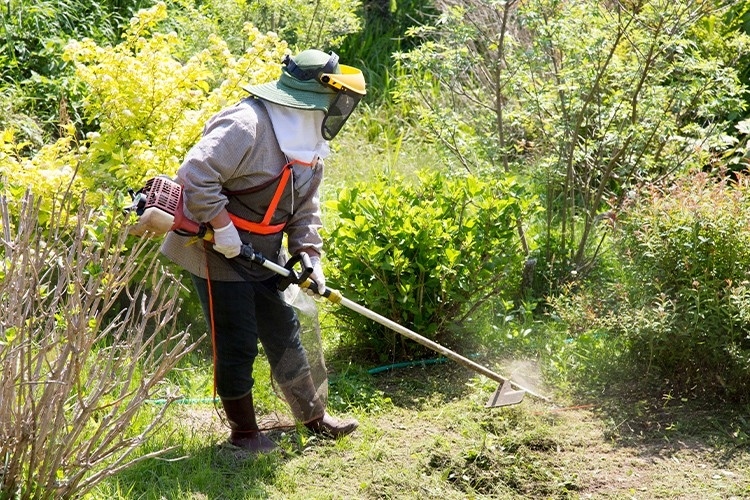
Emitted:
pixel 50 172
pixel 150 106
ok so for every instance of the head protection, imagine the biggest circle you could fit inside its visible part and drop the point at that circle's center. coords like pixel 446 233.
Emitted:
pixel 315 80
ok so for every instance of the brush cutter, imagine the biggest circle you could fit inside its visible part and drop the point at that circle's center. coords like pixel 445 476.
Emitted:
pixel 508 393
pixel 159 208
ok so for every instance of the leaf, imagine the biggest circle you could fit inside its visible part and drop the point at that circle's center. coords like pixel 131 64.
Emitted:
pixel 743 127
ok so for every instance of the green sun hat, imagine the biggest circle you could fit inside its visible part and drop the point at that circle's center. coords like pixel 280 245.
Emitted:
pixel 301 94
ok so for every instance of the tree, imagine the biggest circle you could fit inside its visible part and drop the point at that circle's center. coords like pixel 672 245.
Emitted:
pixel 585 98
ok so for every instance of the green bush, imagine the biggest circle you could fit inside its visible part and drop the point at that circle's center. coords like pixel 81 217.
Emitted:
pixel 586 341
pixel 426 255
pixel 687 252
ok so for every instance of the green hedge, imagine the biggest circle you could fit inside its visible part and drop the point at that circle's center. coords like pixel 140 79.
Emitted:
pixel 686 319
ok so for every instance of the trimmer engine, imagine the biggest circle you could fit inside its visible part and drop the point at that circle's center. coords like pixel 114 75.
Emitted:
pixel 159 209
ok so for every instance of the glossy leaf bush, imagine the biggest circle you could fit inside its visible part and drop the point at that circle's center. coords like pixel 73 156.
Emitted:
pixel 426 255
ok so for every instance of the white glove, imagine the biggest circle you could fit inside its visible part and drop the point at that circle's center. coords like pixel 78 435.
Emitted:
pixel 227 241
pixel 318 277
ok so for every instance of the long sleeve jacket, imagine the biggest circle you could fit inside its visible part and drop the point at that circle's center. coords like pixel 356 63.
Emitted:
pixel 239 153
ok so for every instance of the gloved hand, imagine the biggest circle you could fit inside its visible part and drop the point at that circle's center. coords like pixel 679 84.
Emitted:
pixel 317 276
pixel 227 241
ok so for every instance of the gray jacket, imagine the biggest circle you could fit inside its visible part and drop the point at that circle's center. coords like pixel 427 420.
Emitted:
pixel 239 152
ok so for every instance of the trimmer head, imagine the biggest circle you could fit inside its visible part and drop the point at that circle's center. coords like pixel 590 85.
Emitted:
pixel 505 395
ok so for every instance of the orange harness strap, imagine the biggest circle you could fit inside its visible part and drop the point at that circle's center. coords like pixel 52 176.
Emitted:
pixel 255 227
pixel 265 227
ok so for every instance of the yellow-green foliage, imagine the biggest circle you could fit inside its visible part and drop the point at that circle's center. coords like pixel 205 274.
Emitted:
pixel 323 24
pixel 48 172
pixel 150 106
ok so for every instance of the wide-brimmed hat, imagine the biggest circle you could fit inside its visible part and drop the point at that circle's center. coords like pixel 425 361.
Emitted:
pixel 301 94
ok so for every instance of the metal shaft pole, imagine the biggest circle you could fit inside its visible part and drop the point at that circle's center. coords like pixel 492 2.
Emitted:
pixel 429 343
pixel 335 297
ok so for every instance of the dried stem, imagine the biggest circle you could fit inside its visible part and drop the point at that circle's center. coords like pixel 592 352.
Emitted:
pixel 77 365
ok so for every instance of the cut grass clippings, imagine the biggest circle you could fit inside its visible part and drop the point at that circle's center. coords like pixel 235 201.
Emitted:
pixel 435 439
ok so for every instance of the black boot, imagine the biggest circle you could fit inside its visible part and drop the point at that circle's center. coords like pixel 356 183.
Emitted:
pixel 245 433
pixel 308 408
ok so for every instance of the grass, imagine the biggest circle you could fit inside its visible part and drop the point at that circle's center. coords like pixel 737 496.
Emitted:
pixel 432 437
pixel 425 433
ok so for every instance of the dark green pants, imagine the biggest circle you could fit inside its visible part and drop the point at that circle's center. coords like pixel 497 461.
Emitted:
pixel 244 313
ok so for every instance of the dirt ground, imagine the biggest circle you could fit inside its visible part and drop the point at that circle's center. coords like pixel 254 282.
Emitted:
pixel 619 460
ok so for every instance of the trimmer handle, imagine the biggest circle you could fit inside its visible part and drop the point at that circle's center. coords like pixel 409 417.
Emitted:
pixel 295 278
pixel 330 294
pixel 247 252
pixel 289 275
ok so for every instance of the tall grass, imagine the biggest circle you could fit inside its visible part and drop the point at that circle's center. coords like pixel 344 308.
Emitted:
pixel 383 33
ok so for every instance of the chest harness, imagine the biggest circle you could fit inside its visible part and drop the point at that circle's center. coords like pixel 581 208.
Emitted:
pixel 265 226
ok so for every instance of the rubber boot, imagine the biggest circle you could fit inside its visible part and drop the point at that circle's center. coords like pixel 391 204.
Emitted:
pixel 245 433
pixel 332 427
pixel 308 408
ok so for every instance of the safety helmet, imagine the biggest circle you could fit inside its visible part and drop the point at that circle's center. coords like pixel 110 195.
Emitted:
pixel 315 80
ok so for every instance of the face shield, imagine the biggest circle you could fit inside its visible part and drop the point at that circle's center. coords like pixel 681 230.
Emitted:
pixel 350 88
pixel 348 83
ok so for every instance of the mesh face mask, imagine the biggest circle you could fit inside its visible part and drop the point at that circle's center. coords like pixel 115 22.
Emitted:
pixel 339 111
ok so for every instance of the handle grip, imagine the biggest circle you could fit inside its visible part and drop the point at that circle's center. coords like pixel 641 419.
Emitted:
pixel 293 277
pixel 288 275
pixel 331 294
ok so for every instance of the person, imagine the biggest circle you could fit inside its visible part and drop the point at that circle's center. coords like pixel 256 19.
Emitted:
pixel 254 177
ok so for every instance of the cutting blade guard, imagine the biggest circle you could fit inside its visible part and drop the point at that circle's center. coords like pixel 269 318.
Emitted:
pixel 505 395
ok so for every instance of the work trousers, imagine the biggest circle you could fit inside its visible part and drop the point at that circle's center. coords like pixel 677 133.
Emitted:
pixel 245 312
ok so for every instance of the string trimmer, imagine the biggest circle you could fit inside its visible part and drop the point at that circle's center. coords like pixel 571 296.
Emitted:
pixel 159 208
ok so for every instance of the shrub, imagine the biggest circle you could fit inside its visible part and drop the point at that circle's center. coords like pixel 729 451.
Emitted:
pixel 322 24
pixel 50 170
pixel 586 342
pixel 78 366
pixel 150 106
pixel 425 255
pixel 687 262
